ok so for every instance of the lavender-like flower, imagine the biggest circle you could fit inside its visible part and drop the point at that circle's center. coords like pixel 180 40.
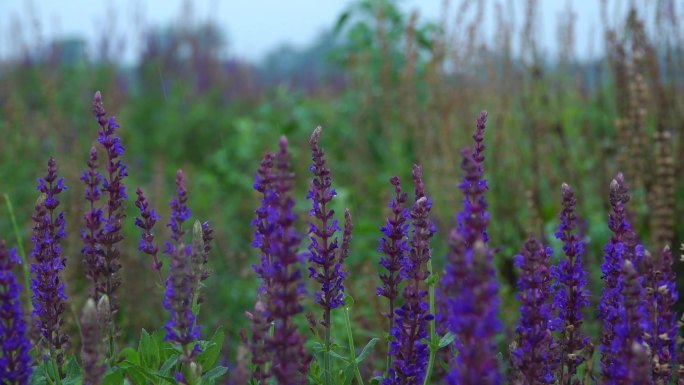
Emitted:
pixel 470 285
pixel 114 213
pixel 661 296
pixel 623 246
pixel 395 248
pixel 91 345
pixel 265 225
pixel 93 219
pixel 181 283
pixel 534 357
pixel 146 221
pixel 630 363
pixel 48 290
pixel 409 350
pixel 325 257
pixel 15 361
pixel 290 360
pixel 571 295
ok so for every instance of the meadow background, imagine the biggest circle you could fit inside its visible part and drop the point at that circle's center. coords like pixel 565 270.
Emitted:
pixel 390 89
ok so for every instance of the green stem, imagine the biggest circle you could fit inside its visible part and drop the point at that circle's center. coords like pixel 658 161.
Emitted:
pixel 22 252
pixel 433 334
pixel 326 358
pixel 352 349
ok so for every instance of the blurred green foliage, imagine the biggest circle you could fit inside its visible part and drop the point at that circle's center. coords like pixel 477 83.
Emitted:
pixel 399 90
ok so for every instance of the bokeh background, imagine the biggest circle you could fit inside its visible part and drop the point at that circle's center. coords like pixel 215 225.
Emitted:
pixel 576 92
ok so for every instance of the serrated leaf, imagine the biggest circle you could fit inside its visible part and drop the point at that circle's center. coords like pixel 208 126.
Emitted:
pixel 38 376
pixel 207 359
pixel 446 340
pixel 210 377
pixel 114 378
pixel 366 350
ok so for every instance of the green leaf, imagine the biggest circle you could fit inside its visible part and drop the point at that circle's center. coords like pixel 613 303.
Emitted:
pixel 446 340
pixel 377 380
pixel 432 279
pixel 366 350
pixel 131 355
pixel 348 374
pixel 72 372
pixel 168 365
pixel 210 377
pixel 333 353
pixel 207 359
pixel 38 376
pixel 114 378
pixel 149 351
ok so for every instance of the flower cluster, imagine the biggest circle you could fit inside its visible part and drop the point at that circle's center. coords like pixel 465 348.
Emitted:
pixel 325 255
pixel 571 295
pixel 534 352
pixel 281 287
pixel 146 221
pixel 470 286
pixel 394 247
pixel 91 351
pixel 104 274
pixel 48 290
pixel 181 284
pixel 409 351
pixel 15 361
pixel 93 219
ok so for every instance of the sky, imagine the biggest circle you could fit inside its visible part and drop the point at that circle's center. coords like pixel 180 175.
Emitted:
pixel 253 27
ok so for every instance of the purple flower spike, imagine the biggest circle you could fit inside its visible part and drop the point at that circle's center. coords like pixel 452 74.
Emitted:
pixel 571 295
pixel 630 363
pixel 394 247
pixel 470 288
pixel 146 221
pixel 290 361
pixel 534 353
pixel 182 281
pixel 114 212
pixel 15 361
pixel 92 232
pixel 409 350
pixel 48 290
pixel 623 246
pixel 325 256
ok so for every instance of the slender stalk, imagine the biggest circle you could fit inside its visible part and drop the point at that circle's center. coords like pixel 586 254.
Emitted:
pixel 22 252
pixel 326 357
pixel 352 349
pixel 433 333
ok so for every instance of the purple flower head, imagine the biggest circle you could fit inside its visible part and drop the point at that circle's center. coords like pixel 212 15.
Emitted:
pixel 93 221
pixel 290 361
pixel 325 256
pixel 470 288
pixel 571 295
pixel 623 246
pixel 534 355
pixel 409 350
pixel 146 221
pixel 265 220
pixel 48 290
pixel 105 276
pixel 15 361
pixel 182 281
pixel 394 246
pixel 630 363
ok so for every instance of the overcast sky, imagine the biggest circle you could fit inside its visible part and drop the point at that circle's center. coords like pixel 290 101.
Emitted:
pixel 253 27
